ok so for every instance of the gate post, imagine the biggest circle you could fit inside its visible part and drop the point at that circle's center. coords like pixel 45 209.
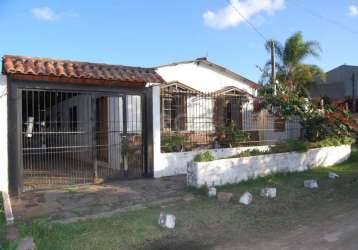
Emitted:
pixel 4 175
pixel 156 130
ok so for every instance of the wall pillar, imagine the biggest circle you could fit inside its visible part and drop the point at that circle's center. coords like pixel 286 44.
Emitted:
pixel 156 130
pixel 4 176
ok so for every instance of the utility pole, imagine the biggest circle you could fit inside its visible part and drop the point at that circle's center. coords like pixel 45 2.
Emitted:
pixel 273 63
pixel 353 93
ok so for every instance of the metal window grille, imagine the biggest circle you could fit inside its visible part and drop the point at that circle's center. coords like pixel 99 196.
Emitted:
pixel 194 120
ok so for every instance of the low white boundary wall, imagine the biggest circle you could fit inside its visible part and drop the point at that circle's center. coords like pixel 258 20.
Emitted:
pixel 176 163
pixel 235 170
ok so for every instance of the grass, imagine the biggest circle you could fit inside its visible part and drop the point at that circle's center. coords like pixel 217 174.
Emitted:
pixel 203 222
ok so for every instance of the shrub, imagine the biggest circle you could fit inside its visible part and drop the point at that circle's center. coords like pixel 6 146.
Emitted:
pixel 231 136
pixel 174 143
pixel 290 146
pixel 332 141
pixel 204 156
pixel 318 122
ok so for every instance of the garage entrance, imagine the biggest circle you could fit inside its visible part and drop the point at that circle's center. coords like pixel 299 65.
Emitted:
pixel 70 137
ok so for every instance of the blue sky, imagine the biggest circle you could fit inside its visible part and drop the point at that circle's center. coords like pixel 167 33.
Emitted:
pixel 151 33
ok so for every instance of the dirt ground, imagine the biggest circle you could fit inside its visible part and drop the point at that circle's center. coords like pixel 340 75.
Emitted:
pixel 339 232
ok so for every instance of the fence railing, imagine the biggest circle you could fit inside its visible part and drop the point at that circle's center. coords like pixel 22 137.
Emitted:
pixel 193 120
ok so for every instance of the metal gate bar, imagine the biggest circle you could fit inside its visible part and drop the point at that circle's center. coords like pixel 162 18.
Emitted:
pixel 72 137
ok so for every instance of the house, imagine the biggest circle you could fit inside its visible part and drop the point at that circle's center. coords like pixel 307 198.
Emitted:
pixel 69 122
pixel 215 96
pixel 341 85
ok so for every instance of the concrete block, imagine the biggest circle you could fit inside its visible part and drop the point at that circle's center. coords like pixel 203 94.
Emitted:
pixel 26 243
pixel 212 192
pixel 269 192
pixel 167 220
pixel 333 175
pixel 224 197
pixel 310 184
pixel 246 198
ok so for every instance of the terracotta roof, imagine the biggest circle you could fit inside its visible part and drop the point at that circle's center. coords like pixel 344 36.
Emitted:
pixel 63 69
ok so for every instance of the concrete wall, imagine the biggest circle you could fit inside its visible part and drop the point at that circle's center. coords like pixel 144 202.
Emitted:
pixel 3 135
pixel 176 163
pixel 235 170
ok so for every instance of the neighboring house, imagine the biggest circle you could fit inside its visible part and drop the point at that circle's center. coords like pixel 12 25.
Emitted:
pixel 341 85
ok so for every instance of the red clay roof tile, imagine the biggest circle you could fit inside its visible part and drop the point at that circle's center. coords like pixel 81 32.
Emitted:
pixel 20 65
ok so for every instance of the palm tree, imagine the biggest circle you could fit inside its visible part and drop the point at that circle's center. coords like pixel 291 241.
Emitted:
pixel 290 67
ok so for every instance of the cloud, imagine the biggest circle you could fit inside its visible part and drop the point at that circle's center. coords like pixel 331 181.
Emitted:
pixel 228 16
pixel 353 10
pixel 44 14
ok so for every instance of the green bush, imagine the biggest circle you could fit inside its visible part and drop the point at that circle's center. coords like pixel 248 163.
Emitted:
pixel 231 136
pixel 290 146
pixel 205 156
pixel 174 143
pixel 332 141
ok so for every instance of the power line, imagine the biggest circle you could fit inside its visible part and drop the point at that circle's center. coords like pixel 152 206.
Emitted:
pixel 247 21
pixel 323 18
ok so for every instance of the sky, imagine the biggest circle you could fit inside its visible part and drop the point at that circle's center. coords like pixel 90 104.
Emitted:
pixel 151 33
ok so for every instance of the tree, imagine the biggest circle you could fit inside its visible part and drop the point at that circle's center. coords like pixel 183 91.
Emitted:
pixel 289 62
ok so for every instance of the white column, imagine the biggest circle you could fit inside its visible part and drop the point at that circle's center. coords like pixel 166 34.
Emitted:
pixel 156 131
pixel 4 177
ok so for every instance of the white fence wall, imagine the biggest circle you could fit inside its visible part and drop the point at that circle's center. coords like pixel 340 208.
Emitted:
pixel 235 170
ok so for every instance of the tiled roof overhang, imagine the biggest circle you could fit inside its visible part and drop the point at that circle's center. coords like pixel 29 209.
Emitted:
pixel 52 70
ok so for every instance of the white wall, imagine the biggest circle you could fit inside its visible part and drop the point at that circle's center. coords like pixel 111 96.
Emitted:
pixel 200 114
pixel 200 77
pixel 235 170
pixel 158 167
pixel 3 135
pixel 176 163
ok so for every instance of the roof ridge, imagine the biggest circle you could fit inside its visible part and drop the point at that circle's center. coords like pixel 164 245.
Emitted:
pixel 73 61
pixel 210 63
pixel 45 67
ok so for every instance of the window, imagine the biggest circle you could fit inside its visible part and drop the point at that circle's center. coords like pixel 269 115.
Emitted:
pixel 228 114
pixel 279 124
pixel 73 118
pixel 174 113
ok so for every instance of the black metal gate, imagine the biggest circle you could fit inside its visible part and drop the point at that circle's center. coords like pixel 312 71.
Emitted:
pixel 78 137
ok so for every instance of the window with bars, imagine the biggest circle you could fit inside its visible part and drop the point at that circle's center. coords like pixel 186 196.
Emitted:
pixel 174 112
pixel 279 124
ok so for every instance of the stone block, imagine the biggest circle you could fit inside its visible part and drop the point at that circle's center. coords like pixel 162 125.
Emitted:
pixel 167 220
pixel 246 198
pixel 310 184
pixel 224 197
pixel 269 192
pixel 26 243
pixel 333 175
pixel 212 192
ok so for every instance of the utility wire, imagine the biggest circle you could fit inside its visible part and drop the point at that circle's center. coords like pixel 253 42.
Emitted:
pixel 323 18
pixel 247 21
